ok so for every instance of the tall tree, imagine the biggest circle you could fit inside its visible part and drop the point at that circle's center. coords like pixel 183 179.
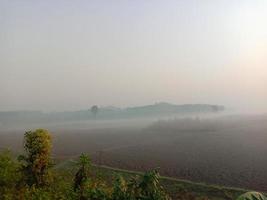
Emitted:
pixel 37 161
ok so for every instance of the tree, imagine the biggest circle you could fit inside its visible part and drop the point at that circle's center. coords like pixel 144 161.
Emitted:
pixel 37 161
pixel 82 175
pixel 94 110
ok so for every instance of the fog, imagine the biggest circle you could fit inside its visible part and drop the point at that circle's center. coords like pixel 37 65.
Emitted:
pixel 69 55
pixel 225 150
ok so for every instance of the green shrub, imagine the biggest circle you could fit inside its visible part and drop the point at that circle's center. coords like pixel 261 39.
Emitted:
pixel 37 161
pixel 9 175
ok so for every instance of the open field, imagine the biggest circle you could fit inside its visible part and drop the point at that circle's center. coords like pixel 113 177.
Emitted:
pixel 227 151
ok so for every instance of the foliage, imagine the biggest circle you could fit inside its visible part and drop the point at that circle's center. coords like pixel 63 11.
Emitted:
pixel 9 175
pixel 120 189
pixel 34 170
pixel 144 187
pixel 97 190
pixel 82 175
pixel 37 161
pixel 150 187
pixel 8 169
pixel 252 196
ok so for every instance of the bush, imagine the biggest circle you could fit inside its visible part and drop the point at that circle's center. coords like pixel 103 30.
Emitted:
pixel 9 174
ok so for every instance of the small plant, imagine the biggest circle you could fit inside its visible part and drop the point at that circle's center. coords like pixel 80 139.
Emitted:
pixel 82 175
pixel 144 187
pixel 120 189
pixel 150 187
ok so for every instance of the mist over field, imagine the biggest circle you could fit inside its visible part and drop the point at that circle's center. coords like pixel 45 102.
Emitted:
pixel 213 148
pixel 178 86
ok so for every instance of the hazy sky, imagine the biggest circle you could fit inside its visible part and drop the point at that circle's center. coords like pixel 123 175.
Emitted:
pixel 65 55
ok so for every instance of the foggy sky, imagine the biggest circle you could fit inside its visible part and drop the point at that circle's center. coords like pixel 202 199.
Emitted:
pixel 65 55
